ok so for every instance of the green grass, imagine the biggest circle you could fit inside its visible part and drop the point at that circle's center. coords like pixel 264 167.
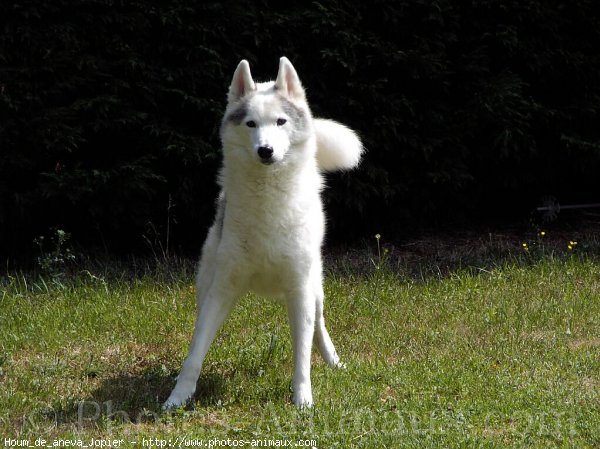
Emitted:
pixel 503 356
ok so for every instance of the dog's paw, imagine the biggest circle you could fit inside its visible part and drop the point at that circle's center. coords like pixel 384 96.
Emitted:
pixel 339 365
pixel 173 403
pixel 176 399
pixel 334 361
pixel 303 397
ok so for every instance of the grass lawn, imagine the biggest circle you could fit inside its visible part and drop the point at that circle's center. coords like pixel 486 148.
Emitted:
pixel 501 354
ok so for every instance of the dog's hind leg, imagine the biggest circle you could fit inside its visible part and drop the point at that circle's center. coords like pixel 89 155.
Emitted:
pixel 212 311
pixel 322 338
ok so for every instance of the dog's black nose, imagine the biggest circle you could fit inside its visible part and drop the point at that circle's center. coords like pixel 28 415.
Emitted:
pixel 265 152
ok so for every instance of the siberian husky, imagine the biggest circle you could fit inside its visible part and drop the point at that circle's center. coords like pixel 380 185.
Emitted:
pixel 269 224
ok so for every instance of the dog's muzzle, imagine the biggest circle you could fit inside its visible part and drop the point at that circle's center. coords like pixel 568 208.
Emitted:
pixel 265 153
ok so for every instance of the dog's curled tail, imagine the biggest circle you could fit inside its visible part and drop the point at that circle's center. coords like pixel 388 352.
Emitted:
pixel 338 147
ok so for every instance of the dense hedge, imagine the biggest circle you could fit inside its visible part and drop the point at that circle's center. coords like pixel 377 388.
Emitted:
pixel 109 110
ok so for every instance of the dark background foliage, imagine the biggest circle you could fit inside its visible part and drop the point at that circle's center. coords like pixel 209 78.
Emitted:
pixel 470 111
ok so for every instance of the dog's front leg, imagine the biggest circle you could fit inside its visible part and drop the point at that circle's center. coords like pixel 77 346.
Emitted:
pixel 301 312
pixel 213 311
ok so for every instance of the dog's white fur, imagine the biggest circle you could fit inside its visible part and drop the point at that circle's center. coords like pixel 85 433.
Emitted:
pixel 270 223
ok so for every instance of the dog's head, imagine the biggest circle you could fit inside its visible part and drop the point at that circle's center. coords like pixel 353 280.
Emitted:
pixel 263 121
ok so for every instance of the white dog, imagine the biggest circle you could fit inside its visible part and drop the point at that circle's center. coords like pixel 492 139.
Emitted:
pixel 269 223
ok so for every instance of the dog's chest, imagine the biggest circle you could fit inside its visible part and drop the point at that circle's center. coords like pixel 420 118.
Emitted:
pixel 277 230
pixel 273 251
pixel 272 234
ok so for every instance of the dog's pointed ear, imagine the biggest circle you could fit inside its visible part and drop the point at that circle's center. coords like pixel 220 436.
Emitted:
pixel 242 82
pixel 287 80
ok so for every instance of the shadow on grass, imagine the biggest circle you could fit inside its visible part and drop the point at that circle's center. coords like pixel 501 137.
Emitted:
pixel 129 398
pixel 439 256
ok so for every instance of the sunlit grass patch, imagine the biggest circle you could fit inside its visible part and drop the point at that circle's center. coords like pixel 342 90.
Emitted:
pixel 502 356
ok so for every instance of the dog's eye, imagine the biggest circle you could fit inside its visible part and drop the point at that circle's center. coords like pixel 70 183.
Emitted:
pixel 251 124
pixel 281 121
